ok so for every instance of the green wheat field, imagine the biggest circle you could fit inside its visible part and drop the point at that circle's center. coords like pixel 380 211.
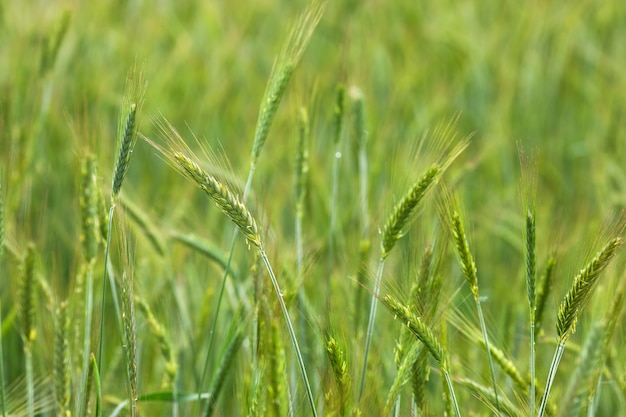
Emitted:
pixel 310 208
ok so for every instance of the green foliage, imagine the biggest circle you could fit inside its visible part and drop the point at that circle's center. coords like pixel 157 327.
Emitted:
pixel 282 88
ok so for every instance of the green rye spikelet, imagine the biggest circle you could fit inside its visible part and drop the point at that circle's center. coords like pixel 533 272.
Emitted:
pixel 124 153
pixel 130 339
pixel 393 229
pixel 416 326
pixel 284 67
pixel 222 197
pixel 339 366
pixel 584 283
pixel 61 369
pixel 90 222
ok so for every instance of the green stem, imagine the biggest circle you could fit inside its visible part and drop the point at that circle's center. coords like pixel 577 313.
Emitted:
pixel 558 354
pixel 292 334
pixel 30 389
pixel 446 374
pixel 532 364
pixel 87 336
pixel 370 325
pixel 483 328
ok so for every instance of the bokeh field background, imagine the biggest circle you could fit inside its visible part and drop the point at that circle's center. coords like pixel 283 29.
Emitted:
pixel 544 79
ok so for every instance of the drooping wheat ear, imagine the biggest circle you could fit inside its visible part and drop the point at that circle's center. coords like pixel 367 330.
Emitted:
pixel 393 229
pixel 339 366
pixel 584 283
pixel 90 222
pixel 223 198
pixel 27 296
pixel 543 291
pixel 416 325
pixel 130 339
pixel 425 334
pixel 284 67
pixel 125 150
pixel 61 370
pixel 165 345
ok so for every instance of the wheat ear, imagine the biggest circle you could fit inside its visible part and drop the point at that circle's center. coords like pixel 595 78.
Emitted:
pixel 573 303
pixel 339 366
pixel 127 137
pixel 393 229
pixel 425 334
pixel 61 369
pixel 238 213
pixel 543 290
pixel 284 67
pixel 451 208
